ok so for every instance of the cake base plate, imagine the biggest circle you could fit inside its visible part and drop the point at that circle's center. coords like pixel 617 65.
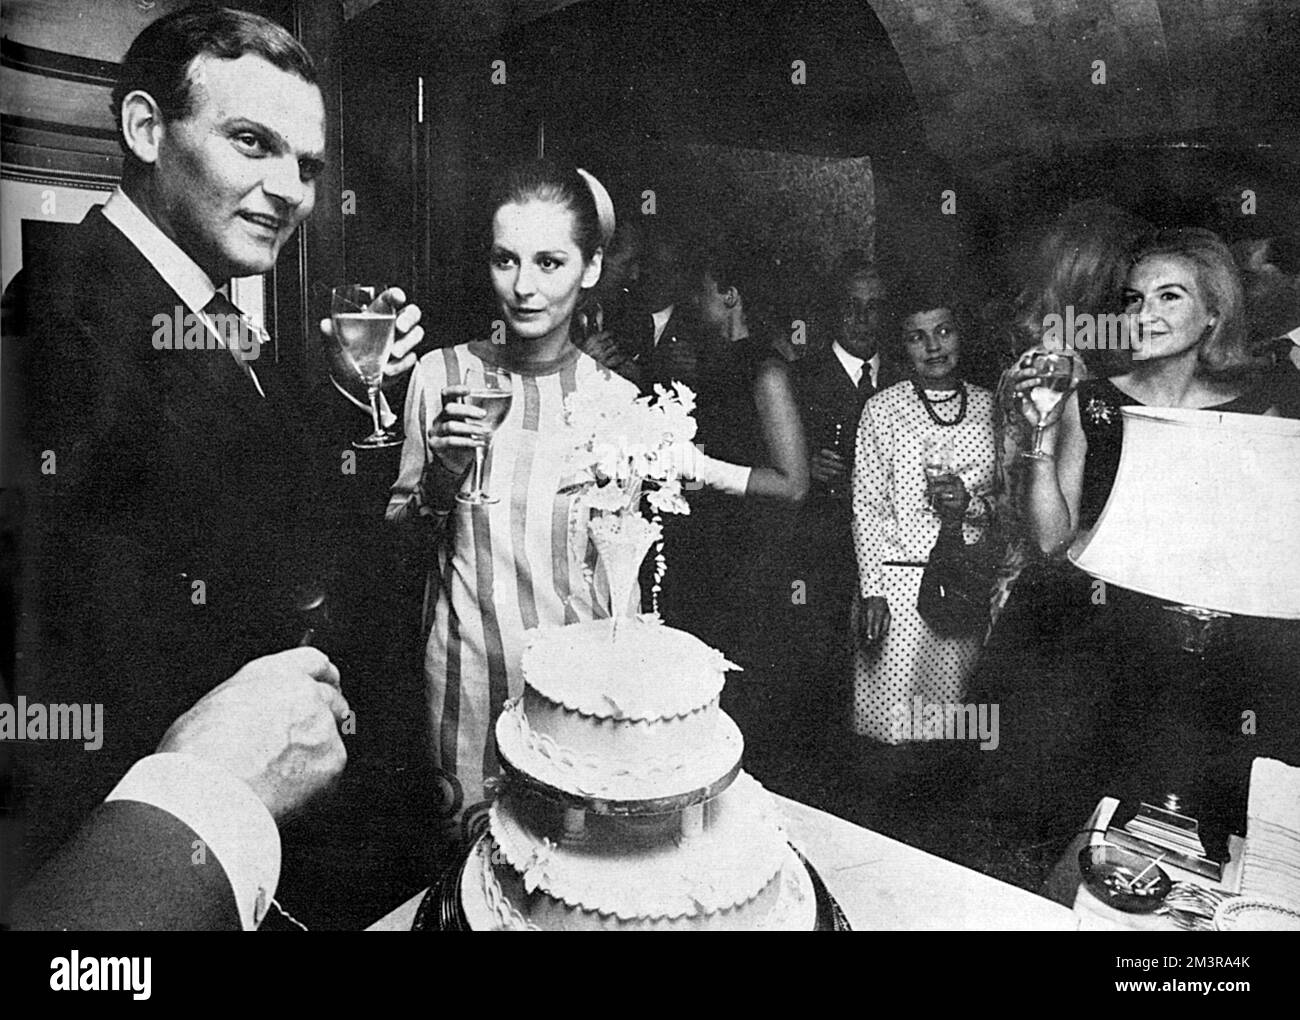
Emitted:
pixel 450 906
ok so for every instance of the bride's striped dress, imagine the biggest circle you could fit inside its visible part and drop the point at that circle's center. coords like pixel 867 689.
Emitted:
pixel 501 569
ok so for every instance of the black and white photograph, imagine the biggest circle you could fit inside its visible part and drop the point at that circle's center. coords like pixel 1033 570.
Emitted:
pixel 650 465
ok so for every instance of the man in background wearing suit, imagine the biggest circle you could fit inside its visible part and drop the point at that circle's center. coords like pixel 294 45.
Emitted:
pixel 178 487
pixel 832 384
pixel 654 329
pixel 1270 269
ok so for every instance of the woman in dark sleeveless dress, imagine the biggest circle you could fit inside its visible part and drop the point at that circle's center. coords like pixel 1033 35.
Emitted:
pixel 721 556
pixel 1183 298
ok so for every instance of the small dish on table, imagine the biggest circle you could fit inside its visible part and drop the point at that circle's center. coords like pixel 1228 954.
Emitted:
pixel 1127 881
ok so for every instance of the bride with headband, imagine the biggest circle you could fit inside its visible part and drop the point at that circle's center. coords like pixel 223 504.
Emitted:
pixel 505 567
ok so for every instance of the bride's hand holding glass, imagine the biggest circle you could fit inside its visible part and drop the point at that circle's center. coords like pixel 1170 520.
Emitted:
pixel 462 432
pixel 458 431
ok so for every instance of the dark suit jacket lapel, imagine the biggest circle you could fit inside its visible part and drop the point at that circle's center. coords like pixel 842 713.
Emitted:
pixel 136 295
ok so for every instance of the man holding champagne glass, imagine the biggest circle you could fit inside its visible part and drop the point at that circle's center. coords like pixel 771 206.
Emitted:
pixel 177 498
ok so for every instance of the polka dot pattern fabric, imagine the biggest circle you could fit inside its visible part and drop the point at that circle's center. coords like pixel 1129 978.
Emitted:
pixel 892 522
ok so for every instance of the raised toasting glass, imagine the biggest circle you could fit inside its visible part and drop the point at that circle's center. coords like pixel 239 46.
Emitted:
pixel 489 388
pixel 1057 374
pixel 366 335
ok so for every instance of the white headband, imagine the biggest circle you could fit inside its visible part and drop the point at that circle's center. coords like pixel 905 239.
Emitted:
pixel 604 206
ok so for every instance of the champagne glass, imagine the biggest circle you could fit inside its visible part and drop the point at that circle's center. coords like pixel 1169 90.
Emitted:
pixel 490 389
pixel 940 465
pixel 366 336
pixel 1056 373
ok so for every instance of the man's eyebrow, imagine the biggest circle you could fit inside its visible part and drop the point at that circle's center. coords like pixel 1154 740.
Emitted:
pixel 281 144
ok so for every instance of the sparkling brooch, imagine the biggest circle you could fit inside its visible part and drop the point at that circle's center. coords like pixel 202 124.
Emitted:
pixel 1099 412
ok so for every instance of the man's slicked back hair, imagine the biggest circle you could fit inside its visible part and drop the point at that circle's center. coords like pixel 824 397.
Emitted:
pixel 159 60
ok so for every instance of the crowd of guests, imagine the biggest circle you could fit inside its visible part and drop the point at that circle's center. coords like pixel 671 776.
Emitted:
pixel 880 439
pixel 830 458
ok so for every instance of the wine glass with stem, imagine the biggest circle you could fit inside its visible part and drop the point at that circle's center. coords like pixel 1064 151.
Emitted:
pixel 366 335
pixel 489 388
pixel 940 466
pixel 1056 377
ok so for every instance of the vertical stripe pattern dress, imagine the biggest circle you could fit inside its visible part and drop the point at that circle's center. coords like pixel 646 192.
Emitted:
pixel 893 525
pixel 501 569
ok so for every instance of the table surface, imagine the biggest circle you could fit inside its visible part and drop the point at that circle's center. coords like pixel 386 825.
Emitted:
pixel 884 885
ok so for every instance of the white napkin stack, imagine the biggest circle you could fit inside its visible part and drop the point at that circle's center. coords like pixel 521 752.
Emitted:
pixel 1271 859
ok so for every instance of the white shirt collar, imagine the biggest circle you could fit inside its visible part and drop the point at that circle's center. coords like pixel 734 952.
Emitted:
pixel 853 364
pixel 1295 349
pixel 661 318
pixel 180 272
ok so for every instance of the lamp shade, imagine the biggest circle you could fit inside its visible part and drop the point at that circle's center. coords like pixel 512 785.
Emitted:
pixel 1205 512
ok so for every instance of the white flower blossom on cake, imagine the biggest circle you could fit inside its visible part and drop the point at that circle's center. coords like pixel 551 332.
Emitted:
pixel 624 450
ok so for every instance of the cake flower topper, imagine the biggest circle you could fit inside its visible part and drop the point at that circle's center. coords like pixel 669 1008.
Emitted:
pixel 626 449
pixel 623 450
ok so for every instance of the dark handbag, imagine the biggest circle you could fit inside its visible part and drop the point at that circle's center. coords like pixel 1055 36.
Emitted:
pixel 956 587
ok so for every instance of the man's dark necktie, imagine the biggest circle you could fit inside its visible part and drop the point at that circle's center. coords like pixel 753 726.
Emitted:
pixel 242 338
pixel 864 387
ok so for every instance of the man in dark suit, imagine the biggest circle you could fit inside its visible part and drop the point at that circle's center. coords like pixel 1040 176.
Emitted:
pixel 187 840
pixel 652 325
pixel 832 384
pixel 179 482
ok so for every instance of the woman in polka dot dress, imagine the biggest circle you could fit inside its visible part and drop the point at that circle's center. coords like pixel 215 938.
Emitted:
pixel 934 420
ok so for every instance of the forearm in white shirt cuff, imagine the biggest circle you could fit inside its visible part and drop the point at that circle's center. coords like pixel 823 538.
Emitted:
pixel 224 812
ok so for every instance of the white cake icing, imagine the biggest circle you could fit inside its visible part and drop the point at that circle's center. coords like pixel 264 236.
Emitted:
pixel 730 863
pixel 627 717
pixel 594 764
pixel 648 672
pixel 624 807
pixel 786 904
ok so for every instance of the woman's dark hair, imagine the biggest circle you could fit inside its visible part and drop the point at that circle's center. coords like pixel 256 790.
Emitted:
pixel 160 59
pixel 751 269
pixel 544 181
pixel 1226 350
pixel 909 297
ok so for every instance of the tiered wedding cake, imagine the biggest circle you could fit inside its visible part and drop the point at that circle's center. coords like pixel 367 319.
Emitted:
pixel 623 805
